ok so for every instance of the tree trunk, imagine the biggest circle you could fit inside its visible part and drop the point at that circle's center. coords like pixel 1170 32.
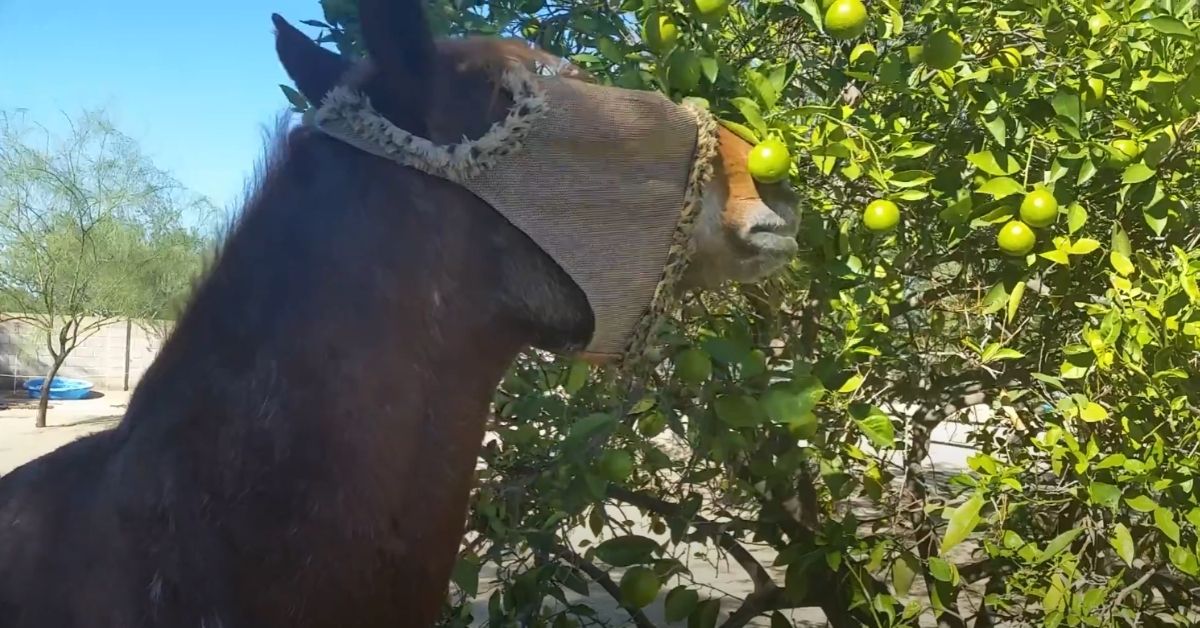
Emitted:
pixel 44 399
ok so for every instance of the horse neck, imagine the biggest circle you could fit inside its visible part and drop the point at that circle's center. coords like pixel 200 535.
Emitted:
pixel 343 350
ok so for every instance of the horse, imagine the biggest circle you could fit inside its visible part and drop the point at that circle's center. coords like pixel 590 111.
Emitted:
pixel 301 451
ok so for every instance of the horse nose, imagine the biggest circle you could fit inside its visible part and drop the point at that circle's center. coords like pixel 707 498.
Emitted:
pixel 767 231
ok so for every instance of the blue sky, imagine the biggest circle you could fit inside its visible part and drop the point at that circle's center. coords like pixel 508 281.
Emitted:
pixel 194 82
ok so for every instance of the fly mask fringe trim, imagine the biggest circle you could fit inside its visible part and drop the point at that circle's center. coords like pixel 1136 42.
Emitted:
pixel 347 115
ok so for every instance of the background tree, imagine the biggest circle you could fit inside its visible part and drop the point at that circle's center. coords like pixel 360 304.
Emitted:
pixel 1034 256
pixel 90 231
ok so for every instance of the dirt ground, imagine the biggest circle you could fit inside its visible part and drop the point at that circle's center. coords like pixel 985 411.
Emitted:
pixel 20 442
pixel 66 421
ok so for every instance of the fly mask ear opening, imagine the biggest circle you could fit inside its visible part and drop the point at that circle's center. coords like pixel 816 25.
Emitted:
pixel 633 164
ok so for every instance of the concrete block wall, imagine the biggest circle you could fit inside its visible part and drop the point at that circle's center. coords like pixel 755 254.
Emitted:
pixel 100 359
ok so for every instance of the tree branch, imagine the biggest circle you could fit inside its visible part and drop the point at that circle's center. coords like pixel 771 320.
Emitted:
pixel 596 574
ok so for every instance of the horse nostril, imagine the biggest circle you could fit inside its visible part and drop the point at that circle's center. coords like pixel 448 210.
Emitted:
pixel 770 224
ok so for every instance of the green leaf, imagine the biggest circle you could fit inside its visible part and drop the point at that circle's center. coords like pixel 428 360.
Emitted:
pixel 466 575
pixel 995 299
pixel 739 411
pixel 710 67
pixel 294 97
pixel 1058 257
pixel 792 402
pixel 753 115
pixel 680 603
pixel 1120 241
pixel 576 376
pixel 910 178
pixel 1171 26
pixel 852 384
pixel 878 429
pixel 1102 494
pixel 994 165
pixel 1164 520
pixel 1066 104
pixel 1136 173
pixel 1184 560
pixel 1054 599
pixel 1092 412
pixel 1141 503
pixel 1083 246
pixel 1087 170
pixel 941 570
pixel 588 426
pixel 1122 542
pixel 1076 217
pixel 1001 187
pixel 998 128
pixel 741 131
pixel 705 615
pixel 1014 301
pixel 624 551
pixel 1058 544
pixel 1120 263
pixel 904 572
pixel 963 522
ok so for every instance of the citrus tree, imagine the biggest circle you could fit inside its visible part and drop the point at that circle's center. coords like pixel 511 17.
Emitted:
pixel 999 222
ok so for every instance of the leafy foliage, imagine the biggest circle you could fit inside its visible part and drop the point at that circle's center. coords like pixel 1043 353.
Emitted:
pixel 1080 361
pixel 89 230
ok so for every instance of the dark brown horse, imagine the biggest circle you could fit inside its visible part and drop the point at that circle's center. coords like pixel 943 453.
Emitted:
pixel 300 453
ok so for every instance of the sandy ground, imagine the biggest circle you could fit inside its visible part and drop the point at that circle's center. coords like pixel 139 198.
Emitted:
pixel 20 442
pixel 66 421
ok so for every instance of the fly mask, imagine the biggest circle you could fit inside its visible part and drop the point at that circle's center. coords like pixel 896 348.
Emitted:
pixel 607 181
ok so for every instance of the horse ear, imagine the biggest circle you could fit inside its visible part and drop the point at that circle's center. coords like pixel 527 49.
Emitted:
pixel 397 37
pixel 314 70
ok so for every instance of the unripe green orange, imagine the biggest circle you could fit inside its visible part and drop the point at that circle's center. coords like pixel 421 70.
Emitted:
pixel 711 10
pixel 881 215
pixel 660 33
pixel 639 587
pixel 846 19
pixel 943 49
pixel 769 161
pixel 693 366
pixel 1016 238
pixel 616 465
pixel 1039 208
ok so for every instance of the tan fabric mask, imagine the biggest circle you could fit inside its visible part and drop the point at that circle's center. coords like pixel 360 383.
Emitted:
pixel 632 165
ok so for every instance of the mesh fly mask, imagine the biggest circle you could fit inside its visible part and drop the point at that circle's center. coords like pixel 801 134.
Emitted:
pixel 605 180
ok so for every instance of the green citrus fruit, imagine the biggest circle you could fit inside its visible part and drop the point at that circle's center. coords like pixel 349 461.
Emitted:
pixel 1039 208
pixel 1016 238
pixel 693 366
pixel 639 587
pixel 769 161
pixel 616 465
pixel 1123 152
pixel 660 33
pixel 846 19
pixel 881 215
pixel 711 10
pixel 683 70
pixel 943 50
pixel 1094 94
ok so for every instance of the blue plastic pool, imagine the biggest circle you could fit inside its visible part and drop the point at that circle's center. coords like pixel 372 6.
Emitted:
pixel 60 388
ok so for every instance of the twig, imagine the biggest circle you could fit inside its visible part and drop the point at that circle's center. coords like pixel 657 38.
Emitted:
pixel 599 577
